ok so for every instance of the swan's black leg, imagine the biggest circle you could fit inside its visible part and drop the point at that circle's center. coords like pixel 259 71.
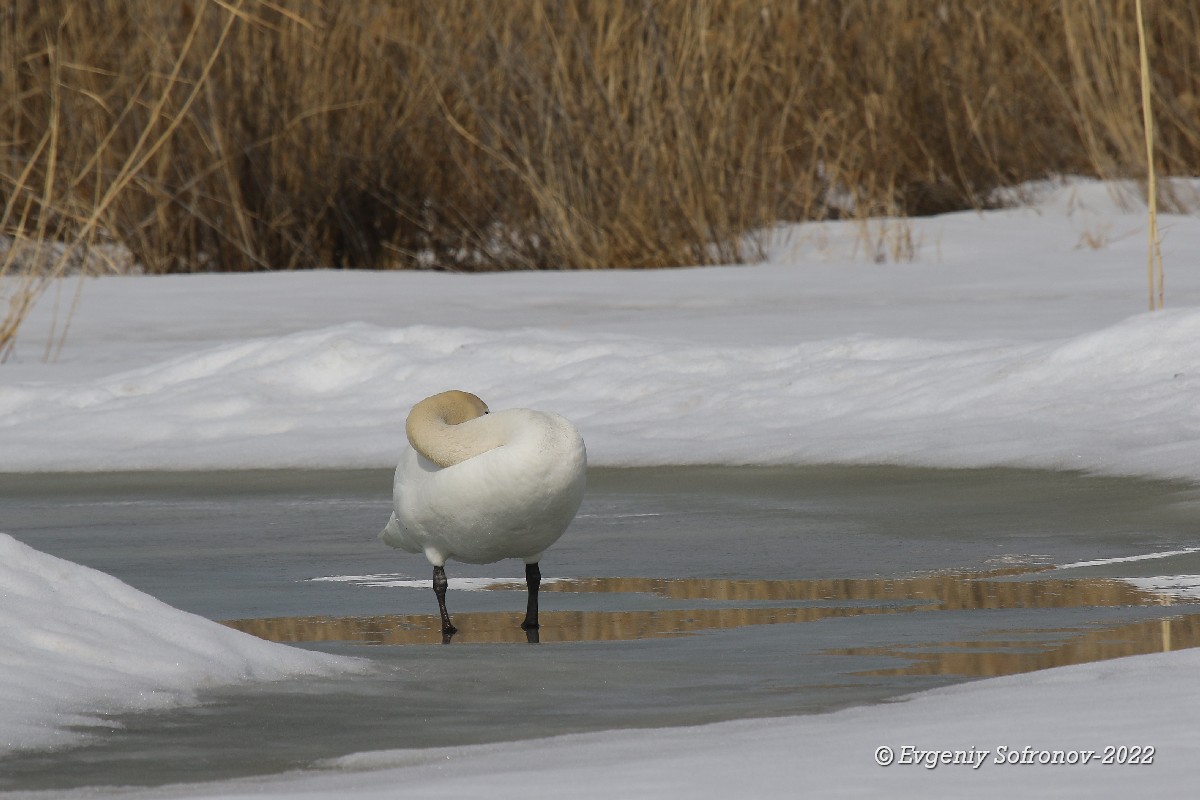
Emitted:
pixel 439 588
pixel 533 579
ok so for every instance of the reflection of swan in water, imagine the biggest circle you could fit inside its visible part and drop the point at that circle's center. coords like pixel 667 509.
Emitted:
pixel 478 487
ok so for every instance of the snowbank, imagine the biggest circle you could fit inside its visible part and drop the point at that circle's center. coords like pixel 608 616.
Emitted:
pixel 1117 400
pixel 1007 342
pixel 76 644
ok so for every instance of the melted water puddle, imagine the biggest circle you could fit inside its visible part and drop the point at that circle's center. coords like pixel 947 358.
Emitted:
pixel 796 601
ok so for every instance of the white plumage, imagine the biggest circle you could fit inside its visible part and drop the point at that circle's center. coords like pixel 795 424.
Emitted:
pixel 479 487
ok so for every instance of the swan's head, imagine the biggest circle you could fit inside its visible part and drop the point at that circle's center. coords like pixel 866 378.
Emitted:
pixel 427 426
pixel 451 408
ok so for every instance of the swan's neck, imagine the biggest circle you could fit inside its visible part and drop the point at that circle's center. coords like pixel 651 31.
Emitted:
pixel 440 428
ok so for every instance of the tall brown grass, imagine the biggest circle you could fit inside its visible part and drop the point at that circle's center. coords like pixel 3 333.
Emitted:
pixel 476 135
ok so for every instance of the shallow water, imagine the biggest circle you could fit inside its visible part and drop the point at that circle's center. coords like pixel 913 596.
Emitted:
pixel 678 596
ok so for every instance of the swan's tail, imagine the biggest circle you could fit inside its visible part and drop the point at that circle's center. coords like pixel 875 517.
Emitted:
pixel 391 533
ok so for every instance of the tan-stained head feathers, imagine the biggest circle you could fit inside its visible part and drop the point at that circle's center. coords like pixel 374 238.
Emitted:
pixel 430 427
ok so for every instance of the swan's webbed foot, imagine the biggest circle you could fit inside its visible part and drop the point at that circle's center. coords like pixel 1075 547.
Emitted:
pixel 533 579
pixel 439 588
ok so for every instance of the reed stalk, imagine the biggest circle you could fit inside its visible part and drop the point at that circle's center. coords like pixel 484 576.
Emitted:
pixel 1154 265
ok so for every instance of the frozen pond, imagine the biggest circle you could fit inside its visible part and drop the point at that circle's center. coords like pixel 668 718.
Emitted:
pixel 683 595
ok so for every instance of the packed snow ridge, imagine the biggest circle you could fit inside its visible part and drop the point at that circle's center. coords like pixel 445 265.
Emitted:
pixel 1118 400
pixel 1006 343
pixel 77 644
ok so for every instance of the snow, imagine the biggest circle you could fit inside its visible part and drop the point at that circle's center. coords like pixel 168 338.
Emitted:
pixel 1003 344
pixel 1015 338
pixel 76 644
pixel 1178 587
pixel 397 581
pixel 1126 559
pixel 1119 400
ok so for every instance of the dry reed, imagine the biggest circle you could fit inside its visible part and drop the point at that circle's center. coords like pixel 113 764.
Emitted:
pixel 472 135
pixel 1154 268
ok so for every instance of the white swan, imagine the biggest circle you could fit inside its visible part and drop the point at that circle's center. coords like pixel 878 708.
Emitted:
pixel 478 487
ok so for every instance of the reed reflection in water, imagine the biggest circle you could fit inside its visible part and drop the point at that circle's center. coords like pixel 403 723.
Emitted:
pixel 483 627
pixel 794 601
pixel 987 659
